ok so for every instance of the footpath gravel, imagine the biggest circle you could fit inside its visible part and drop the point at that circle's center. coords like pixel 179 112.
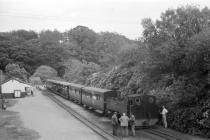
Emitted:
pixel 51 122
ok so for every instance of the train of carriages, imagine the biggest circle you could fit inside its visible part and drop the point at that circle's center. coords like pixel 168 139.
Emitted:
pixel 142 106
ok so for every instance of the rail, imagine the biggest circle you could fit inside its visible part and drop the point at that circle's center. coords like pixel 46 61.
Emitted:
pixel 162 134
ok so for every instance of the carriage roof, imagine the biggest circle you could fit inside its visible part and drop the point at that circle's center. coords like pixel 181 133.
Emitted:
pixel 65 83
pixel 76 85
pixel 58 82
pixel 97 90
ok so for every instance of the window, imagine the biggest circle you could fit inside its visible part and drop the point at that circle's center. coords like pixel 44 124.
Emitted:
pixel 98 97
pixel 94 97
pixel 130 102
pixel 88 96
pixel 137 100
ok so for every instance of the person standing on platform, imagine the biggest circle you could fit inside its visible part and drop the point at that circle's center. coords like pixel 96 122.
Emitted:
pixel 124 124
pixel 3 105
pixel 164 116
pixel 132 124
pixel 114 123
pixel 32 93
pixel 118 125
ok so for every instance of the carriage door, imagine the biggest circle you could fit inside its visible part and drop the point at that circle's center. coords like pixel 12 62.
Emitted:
pixel 17 93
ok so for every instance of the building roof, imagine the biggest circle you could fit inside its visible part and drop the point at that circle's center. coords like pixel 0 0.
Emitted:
pixel 13 78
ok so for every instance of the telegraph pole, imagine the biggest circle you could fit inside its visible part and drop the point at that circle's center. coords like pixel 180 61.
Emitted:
pixel 0 89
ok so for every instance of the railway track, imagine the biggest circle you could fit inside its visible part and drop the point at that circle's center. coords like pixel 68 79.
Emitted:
pixel 163 134
pixel 84 120
pixel 100 131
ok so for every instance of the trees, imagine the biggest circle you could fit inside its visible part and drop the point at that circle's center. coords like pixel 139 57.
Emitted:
pixel 176 24
pixel 16 71
pixel 83 39
pixel 179 48
pixel 24 35
pixel 45 72
pixel 172 62
pixel 29 50
pixel 50 38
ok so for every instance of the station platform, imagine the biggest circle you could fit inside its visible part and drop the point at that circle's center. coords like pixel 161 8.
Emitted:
pixel 48 120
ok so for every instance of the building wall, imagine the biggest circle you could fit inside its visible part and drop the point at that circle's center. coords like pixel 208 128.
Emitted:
pixel 12 85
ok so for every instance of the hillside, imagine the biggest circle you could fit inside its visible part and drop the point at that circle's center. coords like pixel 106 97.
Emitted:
pixel 29 50
pixel 172 63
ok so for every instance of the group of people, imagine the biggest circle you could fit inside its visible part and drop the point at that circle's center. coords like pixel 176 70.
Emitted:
pixel 121 124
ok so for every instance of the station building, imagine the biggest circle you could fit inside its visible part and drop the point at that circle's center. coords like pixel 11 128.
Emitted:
pixel 14 88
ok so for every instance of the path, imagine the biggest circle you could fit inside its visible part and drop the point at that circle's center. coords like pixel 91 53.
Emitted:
pixel 39 113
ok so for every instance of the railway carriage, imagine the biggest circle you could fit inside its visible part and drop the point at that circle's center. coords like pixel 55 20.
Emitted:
pixel 59 87
pixel 96 97
pixel 75 92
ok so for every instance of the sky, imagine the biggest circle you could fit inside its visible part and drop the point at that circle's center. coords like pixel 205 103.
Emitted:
pixel 120 16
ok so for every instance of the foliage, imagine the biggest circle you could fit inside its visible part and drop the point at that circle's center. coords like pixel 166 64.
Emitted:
pixel 172 63
pixel 15 71
pixel 179 46
pixel 190 120
pixel 77 72
pixel 102 49
pixel 30 51
pixel 110 46
pixel 45 72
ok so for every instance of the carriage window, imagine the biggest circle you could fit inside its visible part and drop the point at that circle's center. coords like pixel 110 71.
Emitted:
pixel 130 102
pixel 88 95
pixel 137 100
pixel 94 97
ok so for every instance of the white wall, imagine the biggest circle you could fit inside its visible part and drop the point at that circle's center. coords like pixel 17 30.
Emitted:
pixel 12 85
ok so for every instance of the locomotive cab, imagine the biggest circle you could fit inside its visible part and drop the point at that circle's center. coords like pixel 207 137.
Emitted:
pixel 144 108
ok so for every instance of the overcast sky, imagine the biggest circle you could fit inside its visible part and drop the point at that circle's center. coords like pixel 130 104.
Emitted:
pixel 121 16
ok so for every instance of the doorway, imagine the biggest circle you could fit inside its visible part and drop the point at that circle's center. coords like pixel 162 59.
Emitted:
pixel 17 93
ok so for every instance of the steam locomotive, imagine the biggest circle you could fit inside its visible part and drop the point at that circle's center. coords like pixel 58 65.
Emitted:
pixel 143 107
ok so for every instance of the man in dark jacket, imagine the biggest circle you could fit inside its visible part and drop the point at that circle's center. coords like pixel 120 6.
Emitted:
pixel 132 124
pixel 114 123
